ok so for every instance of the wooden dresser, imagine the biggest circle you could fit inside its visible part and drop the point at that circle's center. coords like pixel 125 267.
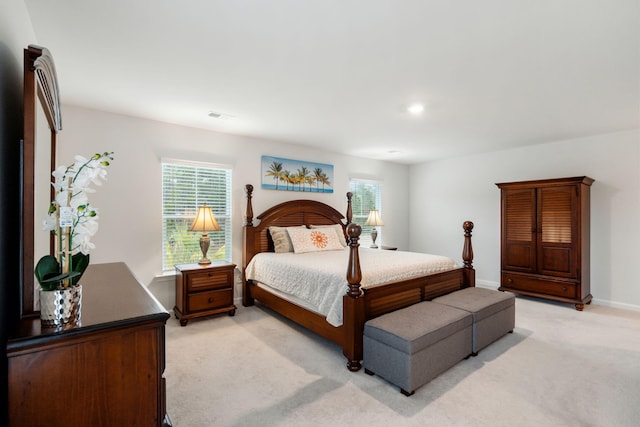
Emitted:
pixel 108 371
pixel 545 239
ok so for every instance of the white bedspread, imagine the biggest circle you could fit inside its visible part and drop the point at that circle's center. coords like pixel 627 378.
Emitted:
pixel 319 278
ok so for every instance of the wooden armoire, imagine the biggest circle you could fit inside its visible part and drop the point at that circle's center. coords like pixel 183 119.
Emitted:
pixel 545 239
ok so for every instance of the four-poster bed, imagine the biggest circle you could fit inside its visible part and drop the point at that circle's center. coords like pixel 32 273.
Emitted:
pixel 359 304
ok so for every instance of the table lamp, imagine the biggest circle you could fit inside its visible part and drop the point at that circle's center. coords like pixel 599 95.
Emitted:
pixel 204 222
pixel 374 220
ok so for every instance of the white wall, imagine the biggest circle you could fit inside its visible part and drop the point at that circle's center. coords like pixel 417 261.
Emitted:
pixel 442 194
pixel 130 201
pixel 445 193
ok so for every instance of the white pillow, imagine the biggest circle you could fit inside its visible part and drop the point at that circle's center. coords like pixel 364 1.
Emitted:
pixel 281 240
pixel 314 240
pixel 339 232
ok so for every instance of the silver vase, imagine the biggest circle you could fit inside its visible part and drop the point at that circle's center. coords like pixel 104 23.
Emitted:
pixel 61 308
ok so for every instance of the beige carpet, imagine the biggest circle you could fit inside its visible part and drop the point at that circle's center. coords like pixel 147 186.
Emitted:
pixel 560 367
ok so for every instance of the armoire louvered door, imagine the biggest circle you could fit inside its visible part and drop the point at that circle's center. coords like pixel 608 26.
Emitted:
pixel 545 239
pixel 557 231
pixel 519 245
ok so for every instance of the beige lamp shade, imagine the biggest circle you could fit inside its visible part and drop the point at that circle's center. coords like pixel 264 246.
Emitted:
pixel 374 220
pixel 203 222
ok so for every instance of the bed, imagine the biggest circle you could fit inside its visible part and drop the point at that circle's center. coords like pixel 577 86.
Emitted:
pixel 358 303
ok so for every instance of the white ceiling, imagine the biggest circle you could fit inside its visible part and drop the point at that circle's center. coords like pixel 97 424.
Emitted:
pixel 338 74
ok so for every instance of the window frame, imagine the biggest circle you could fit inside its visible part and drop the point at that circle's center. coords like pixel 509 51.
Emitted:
pixel 361 218
pixel 222 211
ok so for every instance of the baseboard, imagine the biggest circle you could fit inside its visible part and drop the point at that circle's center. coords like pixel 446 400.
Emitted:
pixel 487 284
pixel 614 304
pixel 603 302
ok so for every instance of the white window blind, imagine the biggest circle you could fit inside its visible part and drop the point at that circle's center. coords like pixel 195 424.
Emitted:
pixel 185 187
pixel 367 195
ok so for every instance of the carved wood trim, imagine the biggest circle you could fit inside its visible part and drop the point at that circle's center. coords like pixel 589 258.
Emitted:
pixel 40 82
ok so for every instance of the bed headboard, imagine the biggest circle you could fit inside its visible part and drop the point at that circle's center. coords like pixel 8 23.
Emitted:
pixel 256 238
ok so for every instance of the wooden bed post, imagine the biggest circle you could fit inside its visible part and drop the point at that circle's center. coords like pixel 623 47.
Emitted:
pixel 349 210
pixel 248 235
pixel 248 216
pixel 353 303
pixel 467 255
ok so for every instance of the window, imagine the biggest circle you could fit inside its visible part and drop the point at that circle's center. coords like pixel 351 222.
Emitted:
pixel 185 187
pixel 366 196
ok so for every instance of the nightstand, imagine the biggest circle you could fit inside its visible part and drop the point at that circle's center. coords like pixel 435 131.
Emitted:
pixel 203 290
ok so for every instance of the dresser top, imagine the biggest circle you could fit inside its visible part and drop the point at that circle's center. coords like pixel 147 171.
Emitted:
pixel 111 297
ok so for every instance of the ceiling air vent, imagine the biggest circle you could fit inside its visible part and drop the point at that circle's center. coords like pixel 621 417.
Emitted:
pixel 220 116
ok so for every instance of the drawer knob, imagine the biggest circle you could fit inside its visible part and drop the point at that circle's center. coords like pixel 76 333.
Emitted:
pixel 564 288
pixel 509 280
pixel 210 299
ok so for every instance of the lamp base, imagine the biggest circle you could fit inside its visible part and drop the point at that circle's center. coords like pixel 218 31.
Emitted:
pixel 204 247
pixel 374 236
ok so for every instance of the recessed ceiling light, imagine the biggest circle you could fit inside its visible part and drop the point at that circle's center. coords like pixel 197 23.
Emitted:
pixel 415 109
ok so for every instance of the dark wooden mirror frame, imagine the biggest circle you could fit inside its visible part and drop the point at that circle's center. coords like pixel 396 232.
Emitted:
pixel 40 90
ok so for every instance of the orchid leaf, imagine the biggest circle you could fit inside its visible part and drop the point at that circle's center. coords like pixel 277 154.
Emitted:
pixel 60 277
pixel 50 276
pixel 79 264
pixel 46 268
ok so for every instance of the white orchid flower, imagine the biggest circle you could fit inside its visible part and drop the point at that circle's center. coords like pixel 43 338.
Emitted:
pixel 49 223
pixel 89 228
pixel 80 160
pixel 81 181
pixel 61 198
pixel 72 184
pixel 78 200
pixel 86 246
pixel 99 176
pixel 59 173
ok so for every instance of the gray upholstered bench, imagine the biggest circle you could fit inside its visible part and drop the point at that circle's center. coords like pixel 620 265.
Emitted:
pixel 411 346
pixel 493 313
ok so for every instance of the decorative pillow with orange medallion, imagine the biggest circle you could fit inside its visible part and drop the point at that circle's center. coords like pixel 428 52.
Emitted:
pixel 314 240
pixel 339 232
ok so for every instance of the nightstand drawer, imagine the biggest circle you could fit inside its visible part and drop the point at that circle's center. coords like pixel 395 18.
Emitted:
pixel 210 280
pixel 210 300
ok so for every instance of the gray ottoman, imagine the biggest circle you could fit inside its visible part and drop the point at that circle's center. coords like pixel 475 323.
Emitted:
pixel 494 313
pixel 411 346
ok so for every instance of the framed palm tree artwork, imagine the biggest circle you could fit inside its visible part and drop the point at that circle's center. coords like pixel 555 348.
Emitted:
pixel 296 175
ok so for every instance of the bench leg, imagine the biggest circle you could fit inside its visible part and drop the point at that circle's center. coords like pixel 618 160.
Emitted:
pixel 403 391
pixel 406 393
